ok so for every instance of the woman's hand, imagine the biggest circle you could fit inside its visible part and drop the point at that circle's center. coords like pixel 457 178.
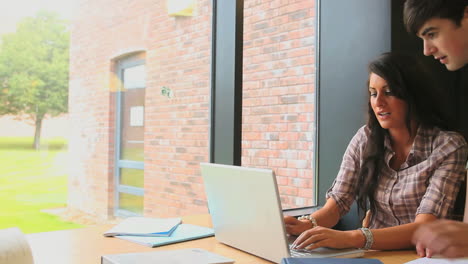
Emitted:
pixel 326 237
pixel 295 226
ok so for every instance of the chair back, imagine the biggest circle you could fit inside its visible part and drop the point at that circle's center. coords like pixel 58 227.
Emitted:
pixel 465 217
pixel 350 221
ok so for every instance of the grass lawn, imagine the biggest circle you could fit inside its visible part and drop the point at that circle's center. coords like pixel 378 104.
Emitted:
pixel 31 181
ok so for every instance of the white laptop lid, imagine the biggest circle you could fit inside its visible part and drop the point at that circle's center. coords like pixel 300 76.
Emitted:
pixel 246 212
pixel 245 209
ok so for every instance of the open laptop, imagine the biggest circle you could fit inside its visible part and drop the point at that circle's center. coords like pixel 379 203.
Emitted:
pixel 246 212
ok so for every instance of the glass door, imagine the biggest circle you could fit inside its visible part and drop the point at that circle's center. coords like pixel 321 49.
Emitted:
pixel 129 173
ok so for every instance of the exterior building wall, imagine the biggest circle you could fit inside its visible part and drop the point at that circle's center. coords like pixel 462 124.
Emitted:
pixel 278 107
pixel 278 99
pixel 177 127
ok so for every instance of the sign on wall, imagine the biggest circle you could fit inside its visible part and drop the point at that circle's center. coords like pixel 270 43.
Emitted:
pixel 137 116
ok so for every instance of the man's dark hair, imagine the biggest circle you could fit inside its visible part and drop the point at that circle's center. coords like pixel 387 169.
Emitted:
pixel 418 12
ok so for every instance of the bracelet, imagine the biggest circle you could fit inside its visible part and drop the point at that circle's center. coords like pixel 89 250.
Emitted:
pixel 369 238
pixel 310 218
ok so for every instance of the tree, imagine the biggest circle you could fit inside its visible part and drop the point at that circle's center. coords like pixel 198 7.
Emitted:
pixel 34 69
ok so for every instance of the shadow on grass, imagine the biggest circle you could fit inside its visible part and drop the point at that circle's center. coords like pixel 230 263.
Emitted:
pixel 27 144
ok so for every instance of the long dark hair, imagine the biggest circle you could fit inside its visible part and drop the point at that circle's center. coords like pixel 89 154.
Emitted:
pixel 409 81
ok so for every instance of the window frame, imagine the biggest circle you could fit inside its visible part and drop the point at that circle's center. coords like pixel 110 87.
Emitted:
pixel 128 61
pixel 329 148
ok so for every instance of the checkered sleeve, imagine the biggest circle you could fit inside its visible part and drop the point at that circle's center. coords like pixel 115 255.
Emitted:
pixel 343 188
pixel 448 158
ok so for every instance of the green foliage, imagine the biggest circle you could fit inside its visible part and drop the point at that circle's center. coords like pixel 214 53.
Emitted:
pixel 34 68
pixel 32 181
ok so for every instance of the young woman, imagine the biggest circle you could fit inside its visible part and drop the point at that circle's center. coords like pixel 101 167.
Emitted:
pixel 404 166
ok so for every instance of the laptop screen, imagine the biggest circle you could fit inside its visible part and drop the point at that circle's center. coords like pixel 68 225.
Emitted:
pixel 246 210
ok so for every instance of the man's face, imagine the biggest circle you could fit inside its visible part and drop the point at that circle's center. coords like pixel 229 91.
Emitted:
pixel 446 41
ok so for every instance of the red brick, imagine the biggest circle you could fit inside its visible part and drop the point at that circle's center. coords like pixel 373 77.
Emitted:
pixel 278 99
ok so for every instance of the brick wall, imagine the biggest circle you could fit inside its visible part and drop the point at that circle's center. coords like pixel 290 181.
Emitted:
pixel 177 128
pixel 278 99
pixel 177 53
pixel 278 105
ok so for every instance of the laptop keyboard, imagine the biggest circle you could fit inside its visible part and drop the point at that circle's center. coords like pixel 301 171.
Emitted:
pixel 295 252
pixel 301 253
pixel 325 253
pixel 298 253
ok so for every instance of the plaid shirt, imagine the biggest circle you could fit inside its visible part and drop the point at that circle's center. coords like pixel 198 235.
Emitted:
pixel 426 183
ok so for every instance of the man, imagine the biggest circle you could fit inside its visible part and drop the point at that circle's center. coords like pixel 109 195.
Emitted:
pixel 443 27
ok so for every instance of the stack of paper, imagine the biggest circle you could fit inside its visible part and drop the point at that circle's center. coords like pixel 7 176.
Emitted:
pixel 155 232
pixel 184 232
pixel 144 226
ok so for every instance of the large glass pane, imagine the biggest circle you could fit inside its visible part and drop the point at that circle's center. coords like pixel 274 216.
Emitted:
pixel 70 178
pixel 34 120
pixel 134 77
pixel 156 60
pixel 278 128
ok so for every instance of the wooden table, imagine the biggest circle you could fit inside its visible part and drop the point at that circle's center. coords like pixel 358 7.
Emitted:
pixel 86 245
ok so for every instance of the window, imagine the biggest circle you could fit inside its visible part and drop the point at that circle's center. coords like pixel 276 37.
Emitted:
pixel 139 101
pixel 140 145
pixel 130 117
pixel 278 124
pixel 134 150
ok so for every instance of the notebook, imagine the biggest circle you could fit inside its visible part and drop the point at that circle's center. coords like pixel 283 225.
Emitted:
pixel 246 212
pixel 144 226
pixel 184 232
